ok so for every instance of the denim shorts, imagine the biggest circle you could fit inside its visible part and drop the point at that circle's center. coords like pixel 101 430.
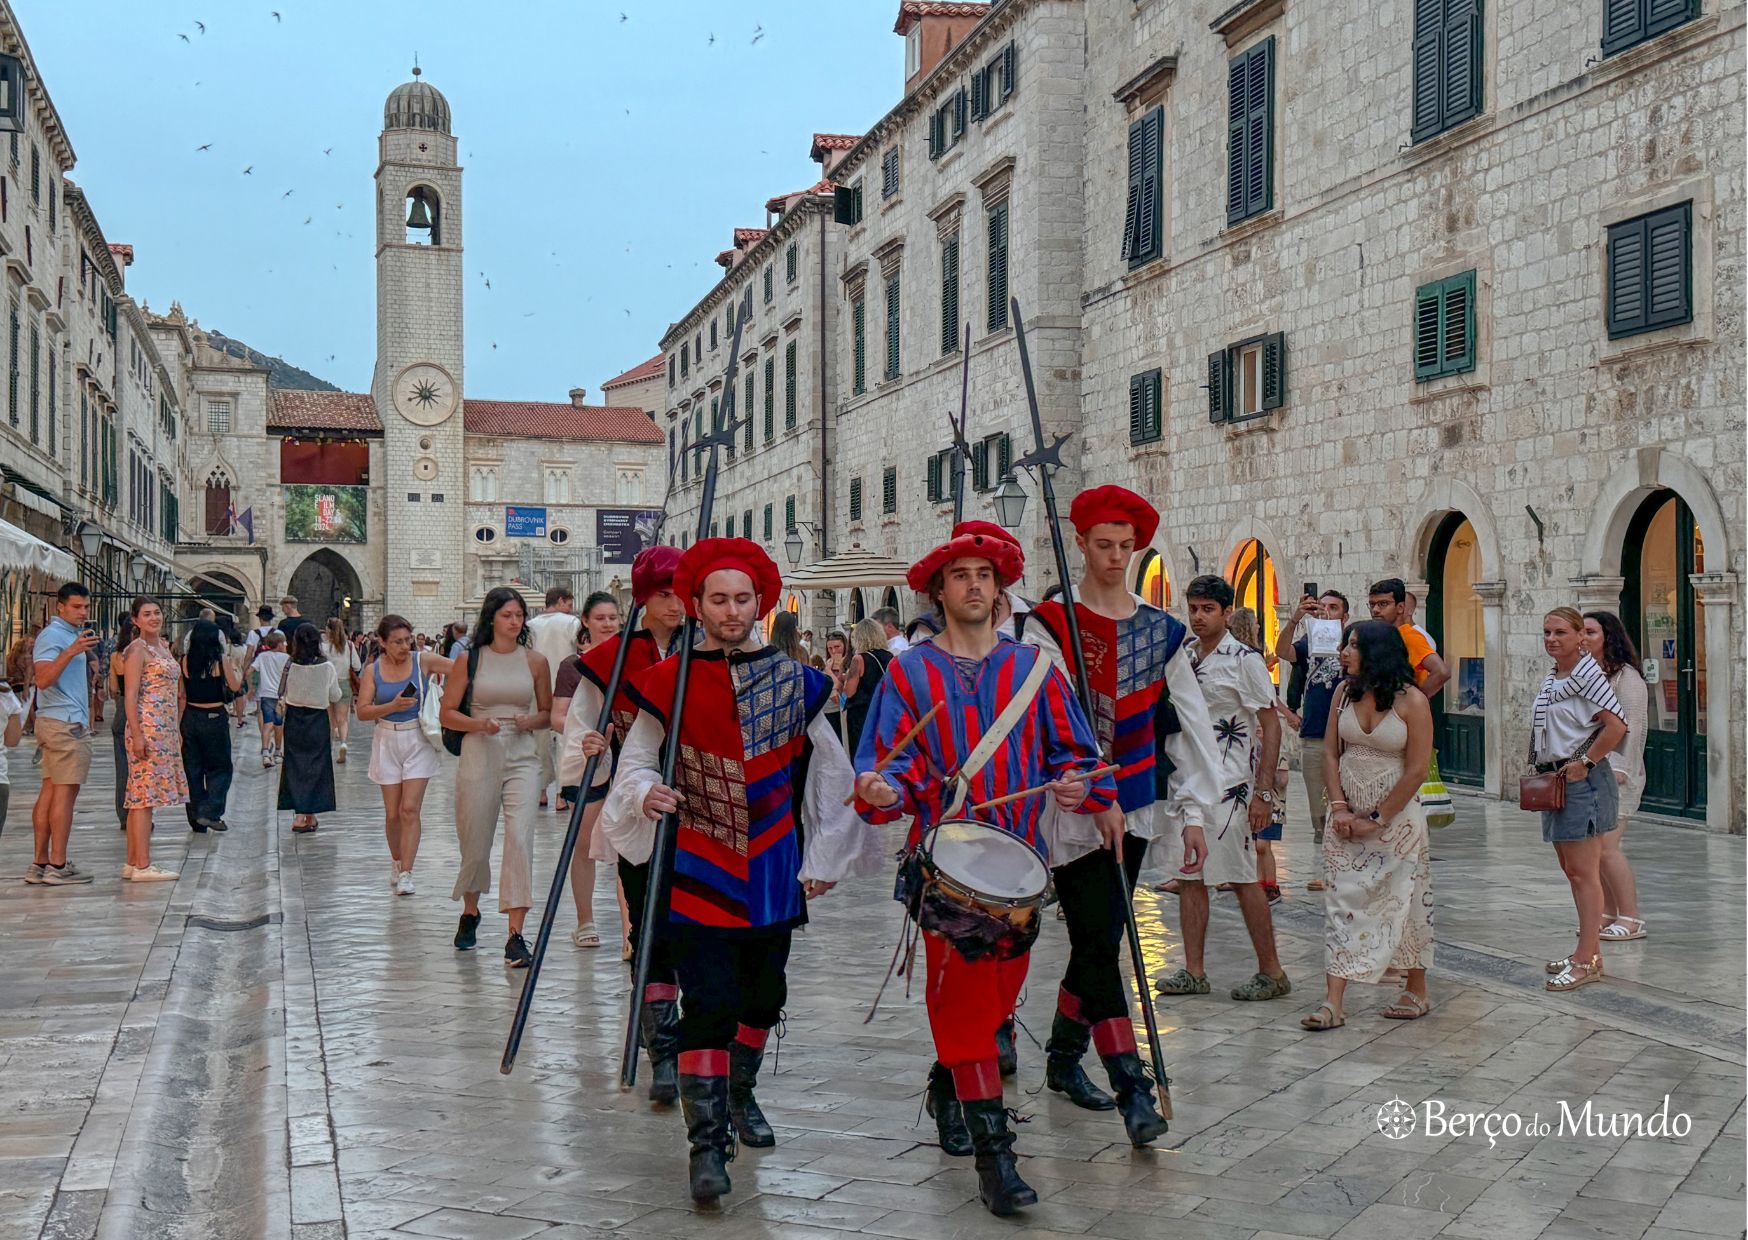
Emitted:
pixel 1592 808
pixel 270 711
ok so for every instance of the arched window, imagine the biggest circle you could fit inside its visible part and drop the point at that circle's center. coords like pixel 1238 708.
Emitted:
pixel 424 216
pixel 218 502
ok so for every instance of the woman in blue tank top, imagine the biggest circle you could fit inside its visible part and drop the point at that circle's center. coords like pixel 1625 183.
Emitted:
pixel 402 761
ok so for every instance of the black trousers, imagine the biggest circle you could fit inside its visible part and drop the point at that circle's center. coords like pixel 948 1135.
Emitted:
pixel 635 880
pixel 728 980
pixel 1096 929
pixel 206 758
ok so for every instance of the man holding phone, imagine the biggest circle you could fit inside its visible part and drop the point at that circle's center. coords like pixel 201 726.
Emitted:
pixel 63 727
pixel 1316 651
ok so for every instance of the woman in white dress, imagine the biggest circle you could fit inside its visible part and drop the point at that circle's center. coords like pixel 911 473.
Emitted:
pixel 1378 908
pixel 1605 637
pixel 338 650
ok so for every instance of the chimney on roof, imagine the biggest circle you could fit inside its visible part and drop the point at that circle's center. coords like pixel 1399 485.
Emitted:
pixel 577 395
pixel 930 31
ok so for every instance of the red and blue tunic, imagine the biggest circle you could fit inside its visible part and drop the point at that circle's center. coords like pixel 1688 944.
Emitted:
pixel 738 852
pixel 1052 739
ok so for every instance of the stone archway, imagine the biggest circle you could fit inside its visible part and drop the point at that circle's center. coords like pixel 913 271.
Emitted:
pixel 322 584
pixel 1601 582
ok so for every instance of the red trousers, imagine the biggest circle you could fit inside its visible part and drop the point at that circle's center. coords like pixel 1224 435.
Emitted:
pixel 968 1001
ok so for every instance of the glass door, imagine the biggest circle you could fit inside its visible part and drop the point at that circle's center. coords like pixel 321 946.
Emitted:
pixel 1454 616
pixel 1667 623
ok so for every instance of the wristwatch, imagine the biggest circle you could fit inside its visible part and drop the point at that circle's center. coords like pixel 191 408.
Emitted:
pixel 1588 764
pixel 1266 797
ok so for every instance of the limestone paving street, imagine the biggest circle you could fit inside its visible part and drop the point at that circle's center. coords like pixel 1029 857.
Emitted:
pixel 276 1045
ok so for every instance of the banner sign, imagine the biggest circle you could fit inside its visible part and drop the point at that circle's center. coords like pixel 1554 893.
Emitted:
pixel 318 513
pixel 621 533
pixel 524 522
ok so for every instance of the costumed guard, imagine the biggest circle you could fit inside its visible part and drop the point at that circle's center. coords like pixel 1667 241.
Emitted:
pixel 742 867
pixel 1147 699
pixel 664 616
pixel 1009 723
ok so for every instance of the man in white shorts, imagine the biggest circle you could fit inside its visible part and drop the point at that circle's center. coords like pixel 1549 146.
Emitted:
pixel 1247 738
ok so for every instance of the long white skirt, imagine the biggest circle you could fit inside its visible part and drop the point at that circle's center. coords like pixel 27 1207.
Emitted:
pixel 1378 908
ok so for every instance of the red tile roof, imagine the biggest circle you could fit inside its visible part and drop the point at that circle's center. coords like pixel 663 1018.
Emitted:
pixel 832 142
pixel 323 411
pixel 637 374
pixel 726 258
pixel 776 204
pixel 912 11
pixel 124 254
pixel 529 419
pixel 744 237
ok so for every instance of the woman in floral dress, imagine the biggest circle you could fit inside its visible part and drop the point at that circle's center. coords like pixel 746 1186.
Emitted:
pixel 154 739
pixel 1378 908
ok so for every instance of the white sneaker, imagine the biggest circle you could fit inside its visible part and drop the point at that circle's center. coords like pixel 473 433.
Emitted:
pixel 404 884
pixel 340 753
pixel 266 758
pixel 148 874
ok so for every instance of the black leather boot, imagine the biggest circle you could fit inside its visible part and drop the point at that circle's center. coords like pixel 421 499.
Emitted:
pixel 1007 1055
pixel 743 1109
pixel 704 1102
pixel 1134 1092
pixel 1062 1071
pixel 659 1020
pixel 999 1185
pixel 943 1104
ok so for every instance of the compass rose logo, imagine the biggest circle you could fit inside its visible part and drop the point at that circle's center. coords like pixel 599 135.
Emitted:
pixel 1396 1119
pixel 425 393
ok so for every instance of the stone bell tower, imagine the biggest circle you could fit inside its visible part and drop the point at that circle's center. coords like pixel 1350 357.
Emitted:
pixel 418 382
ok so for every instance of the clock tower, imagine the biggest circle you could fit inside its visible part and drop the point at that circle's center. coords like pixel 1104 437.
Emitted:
pixel 418 381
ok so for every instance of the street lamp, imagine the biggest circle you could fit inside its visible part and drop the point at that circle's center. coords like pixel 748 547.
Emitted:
pixel 90 539
pixel 792 546
pixel 1010 502
pixel 136 567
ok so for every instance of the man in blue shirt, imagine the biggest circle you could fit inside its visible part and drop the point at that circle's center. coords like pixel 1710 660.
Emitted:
pixel 63 727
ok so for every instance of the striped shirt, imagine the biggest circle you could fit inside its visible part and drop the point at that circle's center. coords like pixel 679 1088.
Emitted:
pixel 1568 709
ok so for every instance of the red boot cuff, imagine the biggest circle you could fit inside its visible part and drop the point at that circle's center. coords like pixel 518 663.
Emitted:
pixel 1114 1037
pixel 703 1063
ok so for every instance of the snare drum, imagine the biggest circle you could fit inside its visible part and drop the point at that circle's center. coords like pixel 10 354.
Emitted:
pixel 979 887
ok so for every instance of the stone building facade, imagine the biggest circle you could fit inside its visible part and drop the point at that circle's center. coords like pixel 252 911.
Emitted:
pixel 969 191
pixel 779 476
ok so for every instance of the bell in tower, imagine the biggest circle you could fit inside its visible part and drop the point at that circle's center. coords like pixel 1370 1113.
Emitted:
pixel 422 215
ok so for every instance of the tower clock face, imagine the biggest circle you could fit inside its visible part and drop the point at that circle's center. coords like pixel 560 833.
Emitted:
pixel 424 394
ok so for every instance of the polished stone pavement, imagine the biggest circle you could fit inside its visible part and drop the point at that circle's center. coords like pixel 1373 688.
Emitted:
pixel 275 1046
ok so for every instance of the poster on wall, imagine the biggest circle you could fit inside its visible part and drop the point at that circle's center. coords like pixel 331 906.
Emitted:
pixel 319 513
pixel 521 521
pixel 622 532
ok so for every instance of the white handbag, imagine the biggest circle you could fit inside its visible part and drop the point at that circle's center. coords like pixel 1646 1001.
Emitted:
pixel 430 708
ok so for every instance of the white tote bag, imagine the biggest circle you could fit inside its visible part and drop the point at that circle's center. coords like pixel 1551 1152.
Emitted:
pixel 430 707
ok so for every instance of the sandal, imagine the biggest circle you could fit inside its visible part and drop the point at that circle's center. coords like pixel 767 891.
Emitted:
pixel 1576 974
pixel 586 935
pixel 1169 886
pixel 1615 932
pixel 1183 982
pixel 1263 987
pixel 1408 1006
pixel 1317 1024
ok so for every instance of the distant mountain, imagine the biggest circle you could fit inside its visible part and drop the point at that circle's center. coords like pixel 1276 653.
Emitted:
pixel 280 373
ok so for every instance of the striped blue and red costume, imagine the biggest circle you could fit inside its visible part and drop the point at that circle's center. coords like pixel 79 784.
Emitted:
pixel 968 1001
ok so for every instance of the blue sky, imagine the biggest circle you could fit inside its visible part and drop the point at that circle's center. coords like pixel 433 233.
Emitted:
pixel 634 205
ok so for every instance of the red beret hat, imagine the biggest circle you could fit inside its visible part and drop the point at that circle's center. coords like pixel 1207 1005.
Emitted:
pixel 653 570
pixel 989 528
pixel 712 555
pixel 1114 505
pixel 1002 550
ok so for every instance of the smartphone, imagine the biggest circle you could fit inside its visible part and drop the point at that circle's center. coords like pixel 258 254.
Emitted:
pixel 412 690
pixel 1311 589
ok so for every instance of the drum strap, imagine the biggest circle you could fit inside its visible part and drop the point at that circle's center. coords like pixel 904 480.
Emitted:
pixel 1006 722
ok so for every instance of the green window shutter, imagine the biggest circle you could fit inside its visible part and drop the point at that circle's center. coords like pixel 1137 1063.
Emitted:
pixel 1142 224
pixel 892 322
pixel 791 262
pixel 859 342
pixel 789 387
pixel 1428 332
pixel 980 465
pixel 1250 89
pixel 1219 399
pixel 889 173
pixel 937 133
pixel 997 308
pixel 789 513
pixel 959 103
pixel 12 369
pixel 1650 272
pixel 770 399
pixel 1446 60
pixel 980 94
pixel 1144 411
pixel 933 488
pixel 746 523
pixel 889 490
pixel 855 499
pixel 713 333
pixel 1274 371
pixel 767 523
pixel 770 289
pixel 844 205
pixel 747 418
pixel 1004 458
pixel 686 452
pixel 1009 72
pixel 950 295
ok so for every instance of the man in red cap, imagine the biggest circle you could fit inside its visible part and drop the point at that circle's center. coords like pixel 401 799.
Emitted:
pixel 662 615
pixel 740 874
pixel 976 672
pixel 1144 687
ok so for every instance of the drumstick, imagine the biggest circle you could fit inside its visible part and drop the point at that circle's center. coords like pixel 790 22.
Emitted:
pixel 1032 792
pixel 900 743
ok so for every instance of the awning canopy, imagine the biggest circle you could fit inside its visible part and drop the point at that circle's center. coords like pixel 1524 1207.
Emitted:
pixel 20 549
pixel 848 570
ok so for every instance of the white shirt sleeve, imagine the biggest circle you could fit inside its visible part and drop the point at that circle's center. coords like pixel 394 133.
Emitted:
pixel 631 834
pixel 584 714
pixel 1195 783
pixel 838 843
